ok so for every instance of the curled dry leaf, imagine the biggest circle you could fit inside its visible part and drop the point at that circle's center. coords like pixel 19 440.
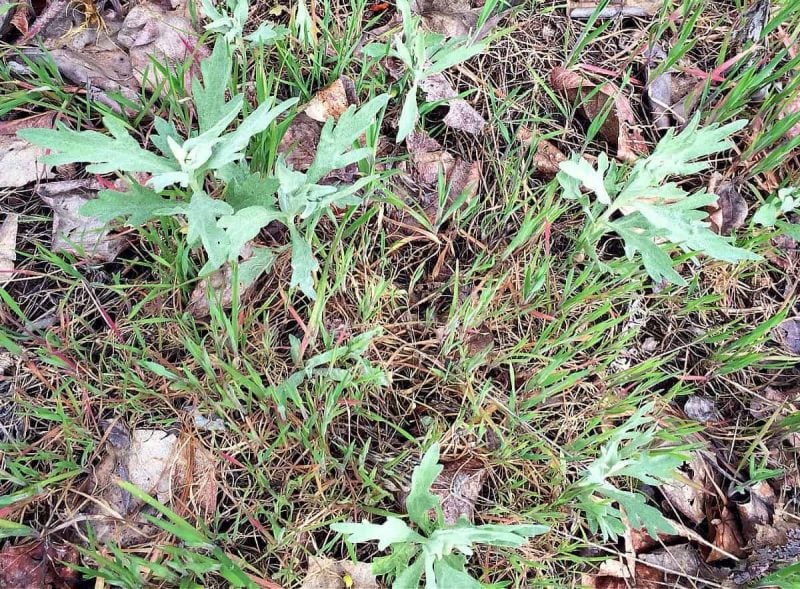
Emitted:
pixel 331 101
pixel 418 182
pixel 682 560
pixel 725 536
pixel 454 18
pixel 547 155
pixel 38 565
pixel 8 246
pixel 299 143
pixel 764 404
pixel 76 233
pixel 756 509
pixel 687 495
pixel 787 333
pixel 619 128
pixel 150 32
pixel 701 408
pixel 730 210
pixel 159 463
pixel 460 114
pixel 613 574
pixel 586 8
pixel 671 95
pixel 326 573
pixel 19 163
pixel 458 486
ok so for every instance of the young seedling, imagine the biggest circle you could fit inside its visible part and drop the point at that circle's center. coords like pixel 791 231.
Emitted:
pixel 424 54
pixel 217 157
pixel 641 208
pixel 433 549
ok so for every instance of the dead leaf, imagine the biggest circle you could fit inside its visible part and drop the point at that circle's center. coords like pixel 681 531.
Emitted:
pixel 332 101
pixel 19 163
pixel 614 574
pixel 770 400
pixel 757 510
pixel 20 18
pixel 150 32
pixel 299 144
pixel 687 494
pixel 459 486
pixel 460 114
pixel 174 469
pixel 682 560
pixel 725 536
pixel 40 121
pixel 326 573
pixel 620 128
pixel 417 185
pixel 671 95
pixel 586 8
pixel 8 246
pixel 701 408
pixel 730 210
pixel 547 155
pixel 792 107
pixel 38 565
pixel 788 335
pixel 454 18
pixel 76 233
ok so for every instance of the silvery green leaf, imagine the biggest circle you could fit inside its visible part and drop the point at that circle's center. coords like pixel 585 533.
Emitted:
pixel 409 115
pixel 243 226
pixel 260 262
pixel 392 531
pixel 590 177
pixel 267 34
pixel 420 500
pixel 449 576
pixel 137 206
pixel 337 138
pixel 246 189
pixel 230 147
pixel 304 265
pixel 209 95
pixel 656 261
pixel 202 214
pixel 410 577
pixel 116 153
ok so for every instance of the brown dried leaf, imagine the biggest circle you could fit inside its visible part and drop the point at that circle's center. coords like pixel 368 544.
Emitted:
pixel 8 246
pixel 681 561
pixel 547 156
pixel 20 18
pixel 332 101
pixel 460 114
pixel 788 335
pixel 454 18
pixel 418 182
pixel 792 107
pixel 586 8
pixel 151 32
pixel 299 144
pixel 459 486
pixel 730 210
pixel 19 163
pixel 326 573
pixel 620 128
pixel 613 574
pixel 725 536
pixel 758 510
pixel 40 121
pixel 38 565
pixel 76 233
pixel 687 495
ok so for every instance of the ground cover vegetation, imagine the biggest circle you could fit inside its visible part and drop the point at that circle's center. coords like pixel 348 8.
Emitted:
pixel 441 293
